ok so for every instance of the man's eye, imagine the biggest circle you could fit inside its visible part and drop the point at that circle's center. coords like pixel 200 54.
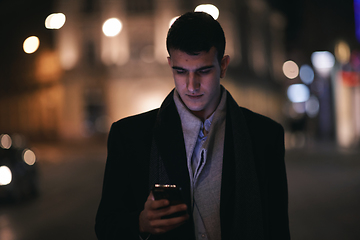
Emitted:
pixel 180 71
pixel 205 71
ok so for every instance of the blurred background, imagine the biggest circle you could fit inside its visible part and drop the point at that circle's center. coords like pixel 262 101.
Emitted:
pixel 69 68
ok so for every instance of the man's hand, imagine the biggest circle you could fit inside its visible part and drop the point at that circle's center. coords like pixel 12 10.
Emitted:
pixel 150 218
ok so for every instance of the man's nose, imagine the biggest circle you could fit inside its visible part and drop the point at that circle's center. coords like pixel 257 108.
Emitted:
pixel 193 83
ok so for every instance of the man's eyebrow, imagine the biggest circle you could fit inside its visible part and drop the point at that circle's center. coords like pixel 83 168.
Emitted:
pixel 178 68
pixel 205 67
pixel 198 69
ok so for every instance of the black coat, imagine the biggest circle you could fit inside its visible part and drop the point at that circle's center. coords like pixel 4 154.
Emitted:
pixel 254 198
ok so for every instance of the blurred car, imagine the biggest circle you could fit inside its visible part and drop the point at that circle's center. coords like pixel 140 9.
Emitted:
pixel 18 170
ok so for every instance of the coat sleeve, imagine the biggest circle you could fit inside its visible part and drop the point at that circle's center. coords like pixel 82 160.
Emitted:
pixel 124 187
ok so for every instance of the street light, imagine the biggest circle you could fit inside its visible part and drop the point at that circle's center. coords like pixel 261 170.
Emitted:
pixel 112 27
pixel 298 93
pixel 173 20
pixel 290 69
pixel 209 9
pixel 5 175
pixel 323 62
pixel 55 21
pixel 31 44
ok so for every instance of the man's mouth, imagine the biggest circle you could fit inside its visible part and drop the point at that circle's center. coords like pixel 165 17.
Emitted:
pixel 195 96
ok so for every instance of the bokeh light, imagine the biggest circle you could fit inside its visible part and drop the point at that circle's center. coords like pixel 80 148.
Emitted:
pixel 18 140
pixel 323 61
pixel 209 9
pixel 173 20
pixel 29 157
pixel 299 107
pixel 312 106
pixel 55 21
pixel 112 27
pixel 298 93
pixel 5 175
pixel 290 69
pixel 342 52
pixel 306 74
pixel 31 44
pixel 5 141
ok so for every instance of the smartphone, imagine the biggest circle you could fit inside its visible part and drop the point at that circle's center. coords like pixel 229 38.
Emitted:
pixel 171 193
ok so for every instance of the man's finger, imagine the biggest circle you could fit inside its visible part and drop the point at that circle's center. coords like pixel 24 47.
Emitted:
pixel 173 209
pixel 170 222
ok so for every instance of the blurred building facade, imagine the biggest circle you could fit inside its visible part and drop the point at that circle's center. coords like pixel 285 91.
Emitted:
pixel 346 85
pixel 86 80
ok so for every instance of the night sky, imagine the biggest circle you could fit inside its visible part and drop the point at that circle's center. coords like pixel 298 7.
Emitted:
pixel 315 25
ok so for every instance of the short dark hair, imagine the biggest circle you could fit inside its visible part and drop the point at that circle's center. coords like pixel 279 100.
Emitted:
pixel 194 32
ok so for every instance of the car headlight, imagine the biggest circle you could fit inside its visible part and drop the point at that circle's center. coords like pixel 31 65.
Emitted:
pixel 5 175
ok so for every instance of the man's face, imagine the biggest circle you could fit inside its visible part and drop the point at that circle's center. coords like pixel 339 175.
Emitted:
pixel 197 79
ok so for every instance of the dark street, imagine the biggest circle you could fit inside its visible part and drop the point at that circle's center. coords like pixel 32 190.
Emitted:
pixel 324 194
pixel 70 179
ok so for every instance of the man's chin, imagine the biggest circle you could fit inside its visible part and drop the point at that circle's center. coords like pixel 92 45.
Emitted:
pixel 194 108
pixel 196 111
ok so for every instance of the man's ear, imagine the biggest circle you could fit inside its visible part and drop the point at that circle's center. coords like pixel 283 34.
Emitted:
pixel 224 65
pixel 169 61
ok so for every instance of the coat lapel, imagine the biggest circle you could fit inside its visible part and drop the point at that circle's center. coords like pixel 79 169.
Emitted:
pixel 170 142
pixel 240 204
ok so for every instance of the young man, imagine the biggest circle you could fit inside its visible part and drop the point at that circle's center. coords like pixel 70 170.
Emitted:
pixel 228 161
